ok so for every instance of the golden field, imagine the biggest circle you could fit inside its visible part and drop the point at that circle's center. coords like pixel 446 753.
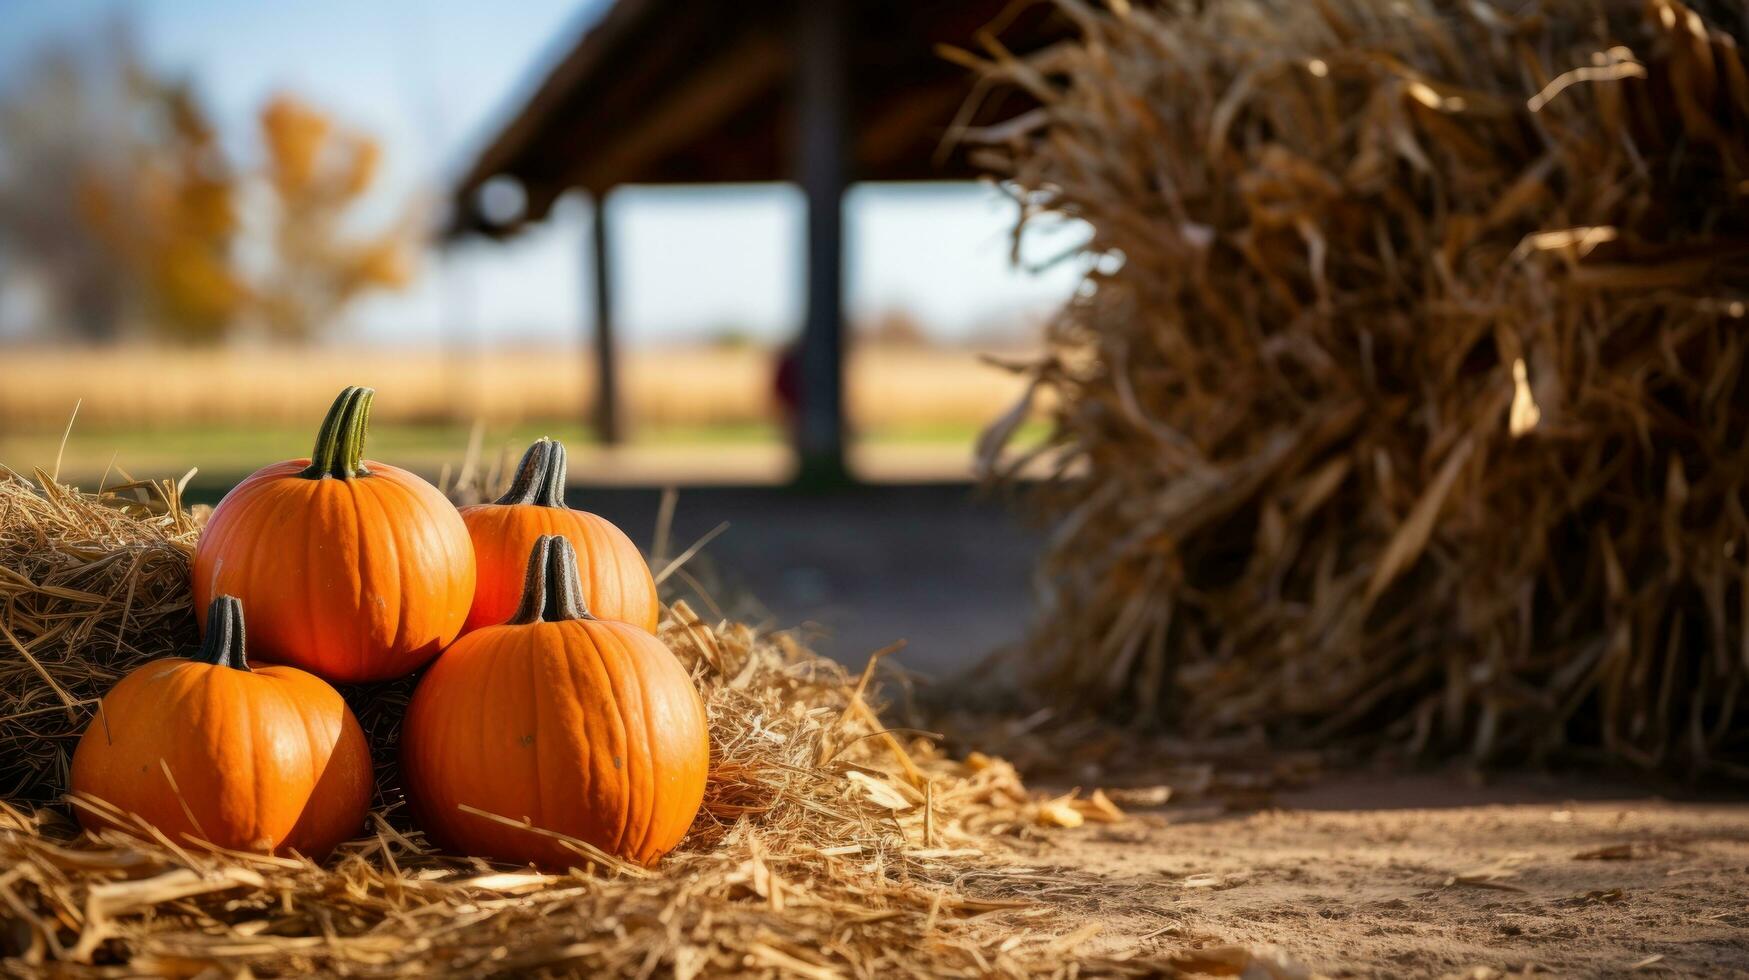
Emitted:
pixel 692 413
pixel 692 387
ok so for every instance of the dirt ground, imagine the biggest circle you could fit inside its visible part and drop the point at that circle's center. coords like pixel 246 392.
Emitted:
pixel 1421 875
pixel 846 565
pixel 1426 876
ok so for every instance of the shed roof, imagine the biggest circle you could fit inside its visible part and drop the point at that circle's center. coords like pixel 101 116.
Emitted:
pixel 686 91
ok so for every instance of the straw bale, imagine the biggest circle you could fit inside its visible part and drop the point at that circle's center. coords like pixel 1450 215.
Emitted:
pixel 1404 402
pixel 91 586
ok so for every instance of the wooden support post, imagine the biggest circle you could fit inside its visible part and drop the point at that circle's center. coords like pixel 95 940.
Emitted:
pixel 821 139
pixel 607 421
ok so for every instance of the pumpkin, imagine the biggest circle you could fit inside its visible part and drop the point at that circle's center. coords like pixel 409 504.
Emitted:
pixel 350 568
pixel 616 582
pixel 579 726
pixel 264 759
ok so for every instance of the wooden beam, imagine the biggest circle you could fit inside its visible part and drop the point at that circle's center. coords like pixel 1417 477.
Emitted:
pixel 709 94
pixel 901 138
pixel 608 429
pixel 822 135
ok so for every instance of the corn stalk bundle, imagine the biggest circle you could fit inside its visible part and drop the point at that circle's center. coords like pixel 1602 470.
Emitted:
pixel 1404 399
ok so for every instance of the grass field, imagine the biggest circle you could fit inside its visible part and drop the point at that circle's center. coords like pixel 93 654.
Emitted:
pixel 693 413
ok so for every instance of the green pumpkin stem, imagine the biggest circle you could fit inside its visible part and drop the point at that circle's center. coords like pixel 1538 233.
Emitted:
pixel 223 646
pixel 540 477
pixel 553 590
pixel 340 442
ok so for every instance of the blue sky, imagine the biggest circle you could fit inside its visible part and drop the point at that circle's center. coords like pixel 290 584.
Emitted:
pixel 431 79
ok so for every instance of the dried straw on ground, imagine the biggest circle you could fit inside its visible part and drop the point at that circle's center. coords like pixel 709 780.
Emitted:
pixel 1406 397
pixel 828 845
pixel 90 587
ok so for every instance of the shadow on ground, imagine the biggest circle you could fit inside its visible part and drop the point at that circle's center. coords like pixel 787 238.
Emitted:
pixel 938 565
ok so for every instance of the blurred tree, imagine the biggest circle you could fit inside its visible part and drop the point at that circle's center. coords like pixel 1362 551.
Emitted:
pixel 60 122
pixel 116 193
pixel 166 214
pixel 318 171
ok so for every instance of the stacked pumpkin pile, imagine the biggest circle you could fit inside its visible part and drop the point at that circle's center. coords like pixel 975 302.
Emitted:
pixel 825 844
pixel 587 729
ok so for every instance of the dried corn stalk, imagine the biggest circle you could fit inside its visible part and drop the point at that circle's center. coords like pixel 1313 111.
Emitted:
pixel 1405 400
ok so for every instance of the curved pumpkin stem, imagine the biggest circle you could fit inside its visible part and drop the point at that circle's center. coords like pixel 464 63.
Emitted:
pixel 340 441
pixel 553 590
pixel 540 477
pixel 223 646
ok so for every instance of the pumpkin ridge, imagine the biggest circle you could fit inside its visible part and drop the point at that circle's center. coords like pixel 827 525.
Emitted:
pixel 364 568
pixel 635 661
pixel 483 720
pixel 387 539
pixel 651 823
pixel 534 654
pixel 595 691
pixel 584 785
pixel 306 631
pixel 585 700
pixel 637 793
pixel 265 802
pixel 661 661
pixel 320 517
pixel 693 709
pixel 231 750
pixel 196 695
pixel 271 717
pixel 235 748
pixel 334 733
pixel 322 520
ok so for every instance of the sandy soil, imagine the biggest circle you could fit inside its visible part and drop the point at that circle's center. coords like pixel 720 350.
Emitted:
pixel 1428 877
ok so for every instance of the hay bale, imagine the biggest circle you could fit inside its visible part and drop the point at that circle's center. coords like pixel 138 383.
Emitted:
pixel 1405 400
pixel 91 586
pixel 827 845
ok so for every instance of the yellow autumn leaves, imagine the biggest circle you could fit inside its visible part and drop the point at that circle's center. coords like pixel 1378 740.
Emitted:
pixel 181 235
pixel 318 171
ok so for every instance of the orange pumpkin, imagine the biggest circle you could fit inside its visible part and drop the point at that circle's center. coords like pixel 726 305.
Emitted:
pixel 268 759
pixel 581 726
pixel 352 569
pixel 616 581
